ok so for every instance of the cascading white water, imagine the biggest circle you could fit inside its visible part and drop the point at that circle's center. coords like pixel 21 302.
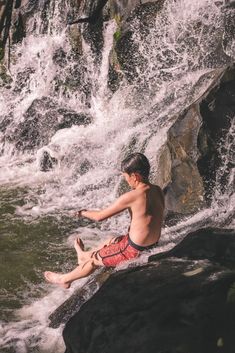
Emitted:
pixel 178 54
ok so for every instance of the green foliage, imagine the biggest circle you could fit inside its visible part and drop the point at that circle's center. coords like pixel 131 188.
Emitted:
pixel 117 34
pixel 1 53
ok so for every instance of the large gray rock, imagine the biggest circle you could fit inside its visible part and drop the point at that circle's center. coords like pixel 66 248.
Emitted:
pixel 170 305
pixel 177 159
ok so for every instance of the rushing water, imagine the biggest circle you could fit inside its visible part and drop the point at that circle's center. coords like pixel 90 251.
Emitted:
pixel 182 60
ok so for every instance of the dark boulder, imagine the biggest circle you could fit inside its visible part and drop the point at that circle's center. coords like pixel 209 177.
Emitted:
pixel 47 162
pixel 230 3
pixel 126 48
pixel 18 29
pixel 59 57
pixel 22 81
pixel 70 118
pixel 169 305
pixel 5 121
pixel 215 245
pixel 217 111
pixel 42 119
pixel 93 27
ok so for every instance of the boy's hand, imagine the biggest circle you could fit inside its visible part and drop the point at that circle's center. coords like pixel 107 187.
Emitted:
pixel 79 213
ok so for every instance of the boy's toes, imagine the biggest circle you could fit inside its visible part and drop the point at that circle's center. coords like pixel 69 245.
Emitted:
pixel 79 242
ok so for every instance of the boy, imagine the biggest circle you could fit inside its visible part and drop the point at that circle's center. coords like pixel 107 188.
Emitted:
pixel 146 206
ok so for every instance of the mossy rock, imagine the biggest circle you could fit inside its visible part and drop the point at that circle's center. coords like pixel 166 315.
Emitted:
pixel 5 78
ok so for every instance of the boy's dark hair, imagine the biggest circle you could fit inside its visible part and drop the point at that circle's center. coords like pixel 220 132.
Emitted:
pixel 136 163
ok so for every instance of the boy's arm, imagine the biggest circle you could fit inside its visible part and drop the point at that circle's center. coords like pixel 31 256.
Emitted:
pixel 122 203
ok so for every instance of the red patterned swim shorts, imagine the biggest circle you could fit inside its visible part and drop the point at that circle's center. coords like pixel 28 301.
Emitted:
pixel 122 249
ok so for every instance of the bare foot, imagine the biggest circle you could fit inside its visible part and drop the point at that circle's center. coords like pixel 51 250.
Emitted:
pixel 81 254
pixel 79 245
pixel 56 278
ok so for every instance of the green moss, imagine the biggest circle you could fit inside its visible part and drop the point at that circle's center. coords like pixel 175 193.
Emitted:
pixel 5 79
pixel 117 34
pixel 1 53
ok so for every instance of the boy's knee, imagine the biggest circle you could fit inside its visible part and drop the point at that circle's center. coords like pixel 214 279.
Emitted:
pixel 96 261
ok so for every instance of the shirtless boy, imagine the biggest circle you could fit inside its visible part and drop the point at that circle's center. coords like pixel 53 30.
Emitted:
pixel 146 206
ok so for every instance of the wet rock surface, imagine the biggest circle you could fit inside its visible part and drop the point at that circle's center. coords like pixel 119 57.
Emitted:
pixel 185 190
pixel 182 301
pixel 217 111
pixel 126 48
pixel 41 120
pixel 47 162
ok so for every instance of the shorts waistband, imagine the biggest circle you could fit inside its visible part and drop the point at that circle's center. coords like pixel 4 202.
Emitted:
pixel 139 247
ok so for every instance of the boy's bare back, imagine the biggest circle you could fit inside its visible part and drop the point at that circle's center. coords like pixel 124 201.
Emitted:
pixel 146 208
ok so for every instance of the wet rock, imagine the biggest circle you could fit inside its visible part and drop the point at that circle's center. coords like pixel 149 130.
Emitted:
pixel 230 3
pixel 215 245
pixel 69 118
pixel 183 134
pixel 5 121
pixel 66 310
pixel 18 29
pixel 59 57
pixel 170 305
pixel 161 166
pixel 178 174
pixel 23 79
pixel 84 167
pixel 42 119
pixel 47 162
pixel 38 126
pixel 185 194
pixel 5 78
pixel 93 26
pixel 129 57
pixel 217 111
pixel 75 39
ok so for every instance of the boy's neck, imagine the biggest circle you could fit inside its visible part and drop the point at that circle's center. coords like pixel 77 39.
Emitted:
pixel 142 182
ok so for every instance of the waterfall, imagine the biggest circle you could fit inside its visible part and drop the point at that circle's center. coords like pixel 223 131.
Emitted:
pixel 58 101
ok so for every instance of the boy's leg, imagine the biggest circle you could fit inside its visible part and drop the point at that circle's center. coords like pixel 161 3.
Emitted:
pixel 84 256
pixel 81 271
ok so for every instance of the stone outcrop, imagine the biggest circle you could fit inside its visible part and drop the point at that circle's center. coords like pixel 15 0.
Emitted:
pixel 185 191
pixel 42 119
pixel 199 148
pixel 182 301
pixel 47 162
pixel 218 112
pixel 127 52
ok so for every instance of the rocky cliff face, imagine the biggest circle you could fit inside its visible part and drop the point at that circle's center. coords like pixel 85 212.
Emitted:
pixel 182 301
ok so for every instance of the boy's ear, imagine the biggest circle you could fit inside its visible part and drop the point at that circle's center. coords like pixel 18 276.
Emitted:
pixel 137 176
